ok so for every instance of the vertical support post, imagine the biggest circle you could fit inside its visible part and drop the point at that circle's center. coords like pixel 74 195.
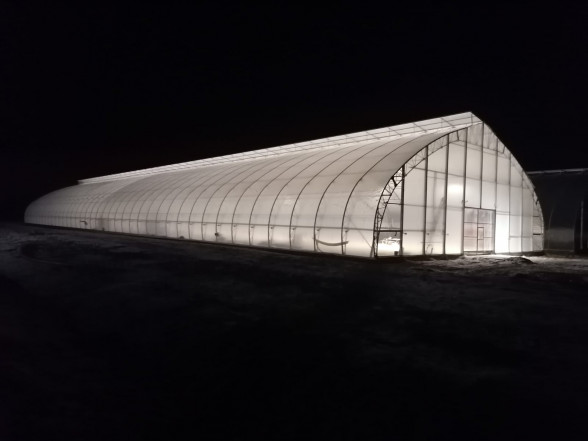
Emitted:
pixel 465 172
pixel 445 197
pixel 424 248
pixel 481 164
pixel 509 195
pixel 495 196
pixel 402 210
pixel 582 224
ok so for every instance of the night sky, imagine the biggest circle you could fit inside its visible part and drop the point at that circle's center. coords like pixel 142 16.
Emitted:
pixel 92 90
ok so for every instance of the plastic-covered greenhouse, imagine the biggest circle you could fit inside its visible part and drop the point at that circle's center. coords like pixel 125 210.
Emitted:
pixel 441 186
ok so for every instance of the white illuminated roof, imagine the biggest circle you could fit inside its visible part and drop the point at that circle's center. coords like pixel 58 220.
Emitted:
pixel 409 129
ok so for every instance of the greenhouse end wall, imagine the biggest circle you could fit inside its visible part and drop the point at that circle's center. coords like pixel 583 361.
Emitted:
pixel 463 193
pixel 441 186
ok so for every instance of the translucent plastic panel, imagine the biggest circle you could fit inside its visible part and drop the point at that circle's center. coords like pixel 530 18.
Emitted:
pixel 470 232
pixel 414 218
pixel 362 203
pixel 434 243
pixel 502 198
pixel 503 170
pixel 489 166
pixel 184 203
pixel 489 195
pixel 96 193
pixel 168 211
pixel 473 162
pixel 527 210
pixel 161 209
pixel 454 236
pixel 69 200
pixel 165 188
pixel 339 178
pixel 472 193
pixel 475 134
pixel 215 198
pixel 489 139
pixel 259 235
pixel 310 180
pixel 305 211
pixel 516 200
pixel 356 183
pixel 208 230
pixel 361 210
pixel 515 245
pixel 335 199
pixel 58 209
pixel 144 203
pixel 122 206
pixel 258 200
pixel 488 245
pixel 199 225
pixel 470 244
pixel 414 188
pixel 211 215
pixel 456 159
pixel 279 237
pixel 528 203
pixel 61 206
pixel 183 199
pixel 485 217
pixel 527 226
pixel 155 226
pixel 471 215
pixel 502 234
pixel 152 205
pixel 241 234
pixel 437 161
pixel 188 192
pixel 329 240
pixel 226 212
pixel 303 239
pixel 391 219
pixel 104 206
pixel 331 209
pixel 458 136
pixel 455 191
pixel 515 226
pixel 359 242
pixel 515 177
pixel 435 214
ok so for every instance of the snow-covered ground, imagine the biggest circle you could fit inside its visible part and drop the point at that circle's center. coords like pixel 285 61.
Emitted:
pixel 119 337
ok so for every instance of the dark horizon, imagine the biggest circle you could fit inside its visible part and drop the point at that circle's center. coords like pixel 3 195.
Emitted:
pixel 95 90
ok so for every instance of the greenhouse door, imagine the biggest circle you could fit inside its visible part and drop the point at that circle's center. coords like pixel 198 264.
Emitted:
pixel 478 230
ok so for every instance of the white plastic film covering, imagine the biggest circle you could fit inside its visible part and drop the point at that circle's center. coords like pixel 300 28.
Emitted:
pixel 324 196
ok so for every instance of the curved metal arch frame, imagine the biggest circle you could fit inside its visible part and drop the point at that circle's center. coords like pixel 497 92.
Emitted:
pixel 312 179
pixel 396 183
pixel 295 159
pixel 343 241
pixel 312 156
pixel 262 169
pixel 397 180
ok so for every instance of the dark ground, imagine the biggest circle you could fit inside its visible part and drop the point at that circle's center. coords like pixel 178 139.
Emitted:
pixel 119 337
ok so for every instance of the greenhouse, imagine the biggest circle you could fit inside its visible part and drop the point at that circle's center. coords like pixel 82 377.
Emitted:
pixel 441 186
